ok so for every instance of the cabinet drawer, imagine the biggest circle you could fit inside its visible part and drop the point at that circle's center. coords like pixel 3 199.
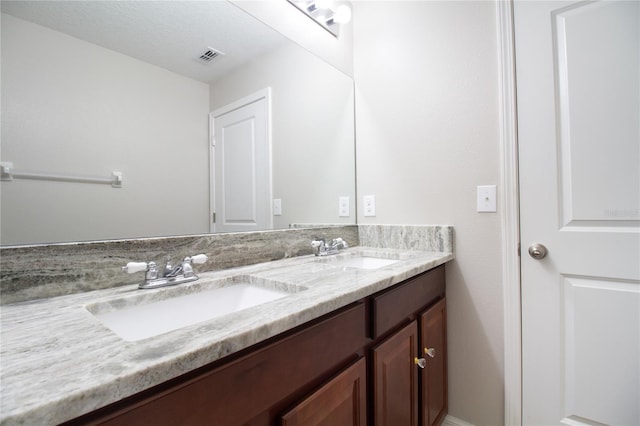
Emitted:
pixel 402 302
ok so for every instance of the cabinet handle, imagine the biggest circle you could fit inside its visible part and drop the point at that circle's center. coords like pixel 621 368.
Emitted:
pixel 420 362
pixel 431 352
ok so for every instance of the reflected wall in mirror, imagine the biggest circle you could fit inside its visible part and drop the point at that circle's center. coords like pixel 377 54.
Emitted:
pixel 91 87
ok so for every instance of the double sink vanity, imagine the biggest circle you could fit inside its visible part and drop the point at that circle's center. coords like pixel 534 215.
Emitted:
pixel 357 337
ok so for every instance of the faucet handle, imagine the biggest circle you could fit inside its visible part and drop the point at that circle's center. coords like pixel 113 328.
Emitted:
pixel 197 259
pixel 133 267
pixel 168 269
pixel 187 269
pixel 319 246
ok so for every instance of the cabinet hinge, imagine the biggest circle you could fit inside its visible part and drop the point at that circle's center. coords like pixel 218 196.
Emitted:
pixel 213 217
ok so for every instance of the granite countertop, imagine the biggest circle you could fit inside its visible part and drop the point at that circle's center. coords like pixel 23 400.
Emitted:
pixel 57 361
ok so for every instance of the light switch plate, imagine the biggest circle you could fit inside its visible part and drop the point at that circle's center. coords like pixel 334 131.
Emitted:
pixel 369 202
pixel 277 207
pixel 343 206
pixel 487 198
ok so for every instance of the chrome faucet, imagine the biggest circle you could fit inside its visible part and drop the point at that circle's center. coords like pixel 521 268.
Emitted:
pixel 323 249
pixel 179 274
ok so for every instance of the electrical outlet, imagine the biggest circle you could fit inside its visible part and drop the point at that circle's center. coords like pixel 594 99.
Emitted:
pixel 369 202
pixel 343 206
pixel 486 198
pixel 277 207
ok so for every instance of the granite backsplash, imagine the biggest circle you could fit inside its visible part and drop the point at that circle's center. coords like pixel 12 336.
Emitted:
pixel 41 271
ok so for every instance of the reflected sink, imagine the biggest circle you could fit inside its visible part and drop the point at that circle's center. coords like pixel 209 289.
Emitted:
pixel 357 262
pixel 146 315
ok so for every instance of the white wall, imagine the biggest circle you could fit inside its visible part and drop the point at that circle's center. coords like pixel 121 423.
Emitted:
pixel 71 107
pixel 312 131
pixel 427 134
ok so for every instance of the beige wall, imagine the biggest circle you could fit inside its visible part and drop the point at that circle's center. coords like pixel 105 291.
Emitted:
pixel 74 108
pixel 427 134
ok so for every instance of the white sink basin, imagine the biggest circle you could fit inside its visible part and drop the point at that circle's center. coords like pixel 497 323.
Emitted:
pixel 143 315
pixel 358 262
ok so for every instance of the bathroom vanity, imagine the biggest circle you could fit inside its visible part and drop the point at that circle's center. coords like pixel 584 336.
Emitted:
pixel 346 345
pixel 328 371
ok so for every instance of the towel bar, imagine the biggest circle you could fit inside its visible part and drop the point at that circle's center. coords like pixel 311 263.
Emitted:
pixel 8 174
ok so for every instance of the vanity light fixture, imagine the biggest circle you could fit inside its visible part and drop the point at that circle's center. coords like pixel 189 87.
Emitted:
pixel 342 14
pixel 327 13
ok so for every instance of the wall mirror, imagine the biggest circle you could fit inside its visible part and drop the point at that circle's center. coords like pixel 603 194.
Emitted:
pixel 95 87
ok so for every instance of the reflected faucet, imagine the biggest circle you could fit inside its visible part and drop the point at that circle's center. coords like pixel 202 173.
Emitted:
pixel 321 248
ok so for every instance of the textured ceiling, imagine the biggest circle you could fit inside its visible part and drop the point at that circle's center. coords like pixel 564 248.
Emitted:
pixel 169 34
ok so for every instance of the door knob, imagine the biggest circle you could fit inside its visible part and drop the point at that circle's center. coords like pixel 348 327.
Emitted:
pixel 420 362
pixel 430 351
pixel 537 251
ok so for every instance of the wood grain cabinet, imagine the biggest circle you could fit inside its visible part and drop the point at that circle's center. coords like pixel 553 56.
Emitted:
pixel 433 343
pixel 341 401
pixel 353 367
pixel 395 379
pixel 415 353
pixel 404 392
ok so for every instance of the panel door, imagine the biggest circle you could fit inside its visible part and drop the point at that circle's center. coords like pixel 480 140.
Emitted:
pixel 433 344
pixel 395 379
pixel 342 401
pixel 241 166
pixel 577 66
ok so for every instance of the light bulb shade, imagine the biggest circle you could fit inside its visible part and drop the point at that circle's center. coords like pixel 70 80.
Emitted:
pixel 324 4
pixel 329 14
pixel 343 14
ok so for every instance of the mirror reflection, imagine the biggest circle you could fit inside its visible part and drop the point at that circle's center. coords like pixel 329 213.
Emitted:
pixel 93 87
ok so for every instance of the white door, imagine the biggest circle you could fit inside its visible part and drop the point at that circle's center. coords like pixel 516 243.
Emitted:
pixel 241 165
pixel 577 70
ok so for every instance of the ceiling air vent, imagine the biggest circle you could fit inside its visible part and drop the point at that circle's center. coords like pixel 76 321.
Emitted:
pixel 208 55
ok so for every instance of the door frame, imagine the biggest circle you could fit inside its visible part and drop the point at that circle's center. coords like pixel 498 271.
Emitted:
pixel 253 97
pixel 511 279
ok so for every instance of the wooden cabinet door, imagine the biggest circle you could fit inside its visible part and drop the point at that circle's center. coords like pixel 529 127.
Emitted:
pixel 342 401
pixel 433 336
pixel 395 379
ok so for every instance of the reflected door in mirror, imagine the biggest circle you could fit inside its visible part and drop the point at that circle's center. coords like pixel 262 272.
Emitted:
pixel 241 160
